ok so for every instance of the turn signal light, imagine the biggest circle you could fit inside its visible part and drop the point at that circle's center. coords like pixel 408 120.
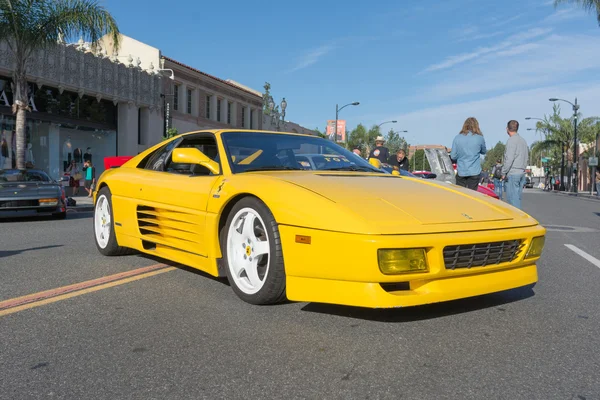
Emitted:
pixel 402 261
pixel 536 247
pixel 48 202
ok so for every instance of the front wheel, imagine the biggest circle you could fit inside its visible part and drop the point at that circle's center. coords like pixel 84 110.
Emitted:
pixel 252 253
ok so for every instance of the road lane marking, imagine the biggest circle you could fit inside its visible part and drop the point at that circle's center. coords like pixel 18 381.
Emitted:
pixel 66 292
pixel 583 254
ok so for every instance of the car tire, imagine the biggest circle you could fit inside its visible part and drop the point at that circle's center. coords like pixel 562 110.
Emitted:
pixel 104 226
pixel 252 253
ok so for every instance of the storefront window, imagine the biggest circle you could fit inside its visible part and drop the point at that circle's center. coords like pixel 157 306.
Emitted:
pixel 53 148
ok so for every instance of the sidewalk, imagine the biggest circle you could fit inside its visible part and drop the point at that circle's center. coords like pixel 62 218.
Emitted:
pixel 84 203
pixel 582 195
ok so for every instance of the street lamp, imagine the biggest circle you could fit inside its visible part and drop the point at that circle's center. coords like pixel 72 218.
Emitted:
pixel 575 152
pixel 337 111
pixel 386 122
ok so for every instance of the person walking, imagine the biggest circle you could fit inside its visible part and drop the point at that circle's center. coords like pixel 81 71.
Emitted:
pixel 90 177
pixel 598 183
pixel 467 148
pixel 516 156
pixel 380 152
pixel 498 178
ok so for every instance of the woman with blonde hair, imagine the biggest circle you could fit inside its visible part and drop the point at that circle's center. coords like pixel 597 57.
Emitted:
pixel 467 148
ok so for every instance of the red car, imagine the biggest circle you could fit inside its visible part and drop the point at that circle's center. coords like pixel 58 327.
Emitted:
pixel 481 188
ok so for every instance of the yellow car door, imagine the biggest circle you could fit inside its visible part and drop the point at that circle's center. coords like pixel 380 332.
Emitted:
pixel 173 198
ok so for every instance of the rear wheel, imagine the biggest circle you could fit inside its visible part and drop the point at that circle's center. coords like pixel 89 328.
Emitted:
pixel 104 231
pixel 252 253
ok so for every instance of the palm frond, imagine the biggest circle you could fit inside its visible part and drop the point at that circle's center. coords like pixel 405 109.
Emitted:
pixel 592 6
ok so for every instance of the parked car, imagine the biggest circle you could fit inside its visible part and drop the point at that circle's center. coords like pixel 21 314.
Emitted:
pixel 31 191
pixel 240 204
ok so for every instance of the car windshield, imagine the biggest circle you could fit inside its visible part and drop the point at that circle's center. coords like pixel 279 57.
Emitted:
pixel 256 151
pixel 15 175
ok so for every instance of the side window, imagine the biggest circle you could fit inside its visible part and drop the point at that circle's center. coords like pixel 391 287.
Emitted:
pixel 156 162
pixel 206 143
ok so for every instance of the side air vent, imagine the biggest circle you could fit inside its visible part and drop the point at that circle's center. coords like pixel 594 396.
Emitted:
pixel 169 228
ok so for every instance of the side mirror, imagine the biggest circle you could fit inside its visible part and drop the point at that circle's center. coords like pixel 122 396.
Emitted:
pixel 375 162
pixel 194 156
pixel 396 172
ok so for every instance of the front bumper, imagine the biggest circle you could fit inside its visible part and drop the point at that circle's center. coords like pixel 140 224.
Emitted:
pixel 341 268
pixel 28 205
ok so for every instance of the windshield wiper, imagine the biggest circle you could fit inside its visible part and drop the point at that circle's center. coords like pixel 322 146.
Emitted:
pixel 273 168
pixel 351 168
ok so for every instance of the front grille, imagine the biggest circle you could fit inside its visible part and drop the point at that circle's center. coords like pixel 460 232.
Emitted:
pixel 18 203
pixel 481 254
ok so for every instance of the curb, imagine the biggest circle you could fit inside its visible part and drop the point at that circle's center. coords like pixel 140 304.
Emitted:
pixel 578 195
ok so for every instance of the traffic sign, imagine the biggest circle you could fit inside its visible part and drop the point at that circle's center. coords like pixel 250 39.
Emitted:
pixel 593 162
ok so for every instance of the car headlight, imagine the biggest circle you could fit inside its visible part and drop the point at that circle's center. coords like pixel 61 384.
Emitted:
pixel 402 261
pixel 536 247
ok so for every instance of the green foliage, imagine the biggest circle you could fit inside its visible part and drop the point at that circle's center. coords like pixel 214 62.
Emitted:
pixel 497 153
pixel 29 25
pixel 592 6
pixel 171 132
pixel 395 142
pixel 559 132
pixel 419 162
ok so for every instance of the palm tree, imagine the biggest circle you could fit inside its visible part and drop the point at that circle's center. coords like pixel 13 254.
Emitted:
pixel 559 135
pixel 30 25
pixel 592 6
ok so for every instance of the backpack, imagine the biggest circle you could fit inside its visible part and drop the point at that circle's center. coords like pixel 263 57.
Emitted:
pixel 498 172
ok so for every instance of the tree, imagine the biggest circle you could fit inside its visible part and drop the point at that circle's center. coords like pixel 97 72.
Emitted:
pixel 30 25
pixel 493 155
pixel 592 6
pixel 559 136
pixel 419 161
pixel 358 138
pixel 395 142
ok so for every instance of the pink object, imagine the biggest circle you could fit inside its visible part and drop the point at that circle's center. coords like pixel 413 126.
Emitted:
pixel 488 191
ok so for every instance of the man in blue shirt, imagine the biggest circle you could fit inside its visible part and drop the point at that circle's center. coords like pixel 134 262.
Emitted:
pixel 467 148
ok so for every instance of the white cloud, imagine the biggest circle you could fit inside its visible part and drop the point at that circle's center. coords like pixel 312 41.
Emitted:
pixel 513 40
pixel 439 125
pixel 553 59
pixel 312 57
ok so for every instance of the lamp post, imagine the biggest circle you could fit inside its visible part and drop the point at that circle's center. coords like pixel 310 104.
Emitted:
pixel 277 117
pixel 337 111
pixel 575 150
pixel 386 122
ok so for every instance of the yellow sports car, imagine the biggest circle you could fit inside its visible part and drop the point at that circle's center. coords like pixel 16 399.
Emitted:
pixel 240 204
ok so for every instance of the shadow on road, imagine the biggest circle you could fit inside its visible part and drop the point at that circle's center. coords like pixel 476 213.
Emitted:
pixel 46 217
pixel 15 252
pixel 426 312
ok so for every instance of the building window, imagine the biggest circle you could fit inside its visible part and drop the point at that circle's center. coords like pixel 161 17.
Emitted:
pixel 243 117
pixel 251 119
pixel 175 97
pixel 229 112
pixel 189 101
pixel 208 107
pixel 219 110
pixel 139 126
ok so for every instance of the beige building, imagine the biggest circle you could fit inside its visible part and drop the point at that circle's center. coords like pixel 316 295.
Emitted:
pixel 193 99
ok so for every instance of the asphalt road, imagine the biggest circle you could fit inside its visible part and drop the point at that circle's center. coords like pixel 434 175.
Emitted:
pixel 183 335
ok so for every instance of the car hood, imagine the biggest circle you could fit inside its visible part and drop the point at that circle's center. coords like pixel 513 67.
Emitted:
pixel 28 189
pixel 390 204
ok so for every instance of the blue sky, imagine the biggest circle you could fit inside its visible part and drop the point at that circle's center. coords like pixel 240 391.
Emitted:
pixel 428 64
